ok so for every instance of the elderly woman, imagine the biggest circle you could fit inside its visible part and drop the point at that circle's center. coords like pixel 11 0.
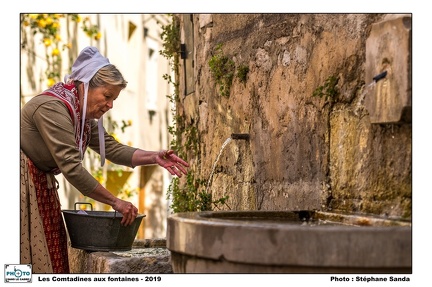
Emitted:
pixel 56 128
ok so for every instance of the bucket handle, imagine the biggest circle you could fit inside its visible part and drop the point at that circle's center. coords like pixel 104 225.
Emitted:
pixel 75 205
pixel 91 207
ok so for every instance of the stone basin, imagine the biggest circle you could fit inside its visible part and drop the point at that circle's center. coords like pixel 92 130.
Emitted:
pixel 288 242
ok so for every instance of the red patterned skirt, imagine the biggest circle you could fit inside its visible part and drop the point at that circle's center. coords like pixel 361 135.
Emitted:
pixel 43 234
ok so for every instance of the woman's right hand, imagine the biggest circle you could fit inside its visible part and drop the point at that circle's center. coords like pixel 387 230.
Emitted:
pixel 127 209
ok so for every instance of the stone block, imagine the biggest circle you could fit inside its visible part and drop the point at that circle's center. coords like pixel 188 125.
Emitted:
pixel 388 48
pixel 135 261
pixel 148 256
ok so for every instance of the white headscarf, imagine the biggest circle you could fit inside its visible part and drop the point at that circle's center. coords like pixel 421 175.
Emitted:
pixel 89 61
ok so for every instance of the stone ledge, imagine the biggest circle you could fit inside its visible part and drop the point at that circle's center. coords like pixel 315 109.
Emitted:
pixel 146 256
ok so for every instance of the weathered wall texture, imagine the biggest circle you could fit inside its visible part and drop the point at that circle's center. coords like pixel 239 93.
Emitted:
pixel 304 152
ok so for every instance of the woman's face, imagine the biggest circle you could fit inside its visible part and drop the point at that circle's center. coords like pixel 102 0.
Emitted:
pixel 100 100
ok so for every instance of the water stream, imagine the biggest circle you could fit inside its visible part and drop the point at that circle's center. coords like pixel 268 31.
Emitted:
pixel 366 90
pixel 227 141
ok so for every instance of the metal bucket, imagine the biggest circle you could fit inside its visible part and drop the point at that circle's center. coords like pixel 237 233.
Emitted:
pixel 99 230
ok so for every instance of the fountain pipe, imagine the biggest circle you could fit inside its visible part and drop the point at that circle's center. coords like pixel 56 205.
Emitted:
pixel 240 136
pixel 380 76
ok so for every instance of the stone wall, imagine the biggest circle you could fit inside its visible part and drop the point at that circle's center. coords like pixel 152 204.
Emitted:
pixel 305 151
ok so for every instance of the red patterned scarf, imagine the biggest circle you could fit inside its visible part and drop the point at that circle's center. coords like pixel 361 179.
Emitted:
pixel 68 93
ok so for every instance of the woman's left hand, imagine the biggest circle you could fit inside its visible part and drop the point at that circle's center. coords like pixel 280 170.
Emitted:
pixel 171 162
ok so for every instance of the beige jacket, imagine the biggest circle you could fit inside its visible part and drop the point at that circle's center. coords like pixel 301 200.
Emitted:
pixel 47 138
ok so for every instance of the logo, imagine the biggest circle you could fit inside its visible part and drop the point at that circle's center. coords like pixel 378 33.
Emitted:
pixel 18 273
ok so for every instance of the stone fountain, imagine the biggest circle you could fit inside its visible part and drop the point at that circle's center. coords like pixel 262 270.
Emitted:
pixel 312 241
pixel 287 242
pixel 304 241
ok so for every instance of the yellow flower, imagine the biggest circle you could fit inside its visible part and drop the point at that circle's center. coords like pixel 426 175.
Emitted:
pixel 68 45
pixel 78 18
pixel 26 23
pixel 57 37
pixel 55 24
pixel 98 36
pixel 48 21
pixel 129 122
pixel 33 16
pixel 50 82
pixel 41 23
pixel 47 42
pixel 55 52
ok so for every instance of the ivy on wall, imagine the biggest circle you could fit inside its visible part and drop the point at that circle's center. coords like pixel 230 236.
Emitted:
pixel 190 195
pixel 328 90
pixel 224 70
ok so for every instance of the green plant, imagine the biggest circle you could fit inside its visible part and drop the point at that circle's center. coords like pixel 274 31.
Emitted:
pixel 127 192
pixel 223 69
pixel 170 37
pixel 328 90
pixel 185 198
pixel 186 194
pixel 189 198
pixel 242 73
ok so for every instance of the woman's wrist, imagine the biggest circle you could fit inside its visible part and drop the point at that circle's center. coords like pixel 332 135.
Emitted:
pixel 142 157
